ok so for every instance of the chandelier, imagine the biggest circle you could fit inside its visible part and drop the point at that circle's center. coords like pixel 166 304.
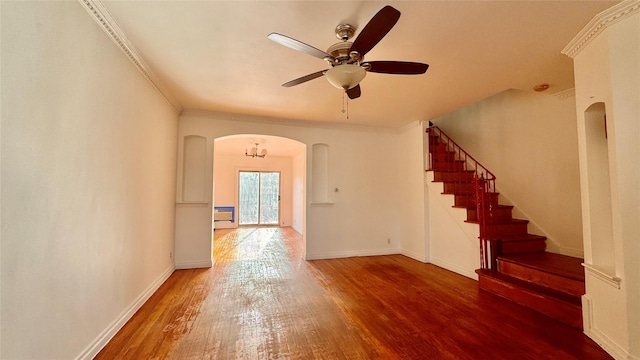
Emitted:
pixel 254 152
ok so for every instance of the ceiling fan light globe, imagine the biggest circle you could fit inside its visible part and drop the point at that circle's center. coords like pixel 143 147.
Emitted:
pixel 345 76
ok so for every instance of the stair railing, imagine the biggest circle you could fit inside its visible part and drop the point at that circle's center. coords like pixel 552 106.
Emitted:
pixel 454 160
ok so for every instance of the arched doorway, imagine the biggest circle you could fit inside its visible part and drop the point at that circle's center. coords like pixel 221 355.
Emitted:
pixel 233 157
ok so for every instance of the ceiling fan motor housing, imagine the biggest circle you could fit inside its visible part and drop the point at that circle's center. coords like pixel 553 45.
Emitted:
pixel 342 55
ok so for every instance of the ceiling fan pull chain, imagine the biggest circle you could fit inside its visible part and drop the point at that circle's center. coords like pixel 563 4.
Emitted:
pixel 347 99
pixel 343 109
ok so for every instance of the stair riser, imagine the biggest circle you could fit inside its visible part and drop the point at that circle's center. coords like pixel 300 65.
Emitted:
pixel 469 201
pixel 437 147
pixel 458 187
pixel 517 247
pixel 507 229
pixel 499 214
pixel 553 281
pixel 567 313
pixel 443 156
pixel 444 176
pixel 434 139
pixel 447 166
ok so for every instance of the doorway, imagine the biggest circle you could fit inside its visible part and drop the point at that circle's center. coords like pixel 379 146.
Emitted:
pixel 258 198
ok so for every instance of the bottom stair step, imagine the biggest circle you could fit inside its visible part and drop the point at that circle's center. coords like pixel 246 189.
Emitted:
pixel 560 272
pixel 562 307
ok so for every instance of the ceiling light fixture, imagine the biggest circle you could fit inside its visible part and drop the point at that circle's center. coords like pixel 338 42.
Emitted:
pixel 254 152
pixel 345 76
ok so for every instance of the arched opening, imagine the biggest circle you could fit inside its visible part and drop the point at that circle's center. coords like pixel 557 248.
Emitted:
pixel 238 167
pixel 600 226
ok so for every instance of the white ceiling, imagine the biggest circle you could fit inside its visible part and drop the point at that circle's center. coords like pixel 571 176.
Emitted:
pixel 215 55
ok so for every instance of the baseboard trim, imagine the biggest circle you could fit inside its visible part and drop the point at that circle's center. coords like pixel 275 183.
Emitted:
pixel 613 349
pixel 352 253
pixel 199 264
pixel 414 255
pixel 579 253
pixel 107 334
pixel 455 268
pixel 610 346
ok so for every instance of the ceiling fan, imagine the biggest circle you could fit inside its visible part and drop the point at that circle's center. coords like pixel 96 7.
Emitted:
pixel 346 58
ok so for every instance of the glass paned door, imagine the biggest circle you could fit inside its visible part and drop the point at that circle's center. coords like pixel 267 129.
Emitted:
pixel 249 183
pixel 259 198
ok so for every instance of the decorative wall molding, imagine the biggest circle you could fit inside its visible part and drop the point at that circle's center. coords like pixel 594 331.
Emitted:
pixel 599 23
pixel 212 115
pixel 565 94
pixel 603 276
pixel 105 336
pixel 101 15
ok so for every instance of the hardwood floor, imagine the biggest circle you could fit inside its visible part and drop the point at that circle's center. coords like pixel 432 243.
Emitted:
pixel 262 301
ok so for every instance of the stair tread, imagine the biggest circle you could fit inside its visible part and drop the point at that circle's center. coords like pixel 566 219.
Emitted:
pixel 500 206
pixel 451 171
pixel 533 288
pixel 499 222
pixel 566 266
pixel 464 194
pixel 525 237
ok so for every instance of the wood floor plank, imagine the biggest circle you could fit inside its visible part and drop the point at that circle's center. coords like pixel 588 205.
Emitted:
pixel 261 300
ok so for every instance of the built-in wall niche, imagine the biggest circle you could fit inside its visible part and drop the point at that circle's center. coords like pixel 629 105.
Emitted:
pixel 602 254
pixel 320 173
pixel 194 169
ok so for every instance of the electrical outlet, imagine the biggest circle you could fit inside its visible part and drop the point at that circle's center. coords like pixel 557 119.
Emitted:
pixel 388 241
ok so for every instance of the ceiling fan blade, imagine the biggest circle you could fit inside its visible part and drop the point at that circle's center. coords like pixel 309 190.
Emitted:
pixel 305 78
pixel 354 92
pixel 298 45
pixel 396 67
pixel 375 30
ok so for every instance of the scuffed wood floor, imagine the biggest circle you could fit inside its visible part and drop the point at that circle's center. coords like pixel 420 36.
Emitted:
pixel 262 301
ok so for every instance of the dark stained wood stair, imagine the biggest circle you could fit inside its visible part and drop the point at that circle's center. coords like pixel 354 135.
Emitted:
pixel 524 272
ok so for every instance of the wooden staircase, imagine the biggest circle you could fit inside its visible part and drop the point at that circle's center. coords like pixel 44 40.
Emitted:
pixel 520 269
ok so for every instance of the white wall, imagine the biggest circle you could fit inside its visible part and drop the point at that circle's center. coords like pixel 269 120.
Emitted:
pixel 410 192
pixel 529 141
pixel 453 243
pixel 88 183
pixel 363 215
pixel 607 70
pixel 298 191
pixel 226 168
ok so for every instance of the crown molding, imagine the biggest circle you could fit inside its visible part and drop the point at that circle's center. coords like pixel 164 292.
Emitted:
pixel 212 115
pixel 100 15
pixel 565 94
pixel 599 23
